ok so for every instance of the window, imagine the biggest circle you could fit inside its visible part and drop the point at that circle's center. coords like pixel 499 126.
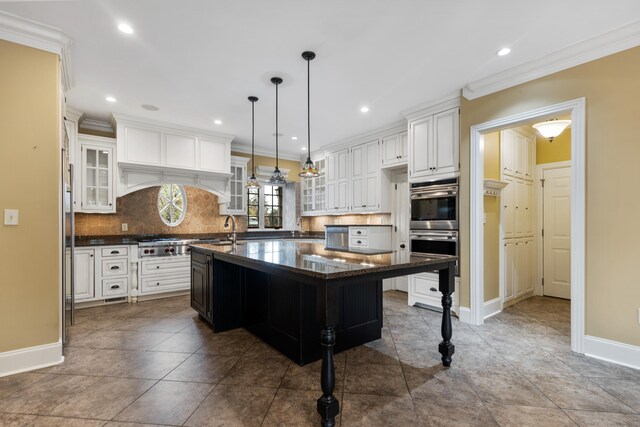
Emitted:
pixel 253 207
pixel 265 211
pixel 172 204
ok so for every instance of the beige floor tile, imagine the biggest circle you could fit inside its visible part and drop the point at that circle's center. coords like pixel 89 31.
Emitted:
pixel 480 358
pixel 167 402
pixel 264 372
pixel 122 340
pixel 362 410
pixel 526 416
pixel 104 399
pixel 151 324
pixel 590 367
pixel 205 368
pixel 438 414
pixel 627 390
pixel 45 421
pixel 17 420
pixel 295 408
pixel 575 392
pixel 378 352
pixel 385 380
pixel 307 377
pixel 14 383
pixel 603 419
pixel 126 424
pixel 419 354
pixel 227 343
pixel 438 383
pixel 507 388
pixel 181 343
pixel 232 405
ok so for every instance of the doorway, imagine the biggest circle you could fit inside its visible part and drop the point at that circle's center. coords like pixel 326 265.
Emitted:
pixel 576 109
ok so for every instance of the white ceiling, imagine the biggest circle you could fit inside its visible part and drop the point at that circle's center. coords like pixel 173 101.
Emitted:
pixel 198 60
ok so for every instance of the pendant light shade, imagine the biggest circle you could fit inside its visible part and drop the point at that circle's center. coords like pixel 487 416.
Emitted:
pixel 551 128
pixel 309 170
pixel 277 177
pixel 252 182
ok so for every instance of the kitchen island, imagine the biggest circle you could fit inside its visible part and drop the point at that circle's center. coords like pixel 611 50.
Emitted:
pixel 305 300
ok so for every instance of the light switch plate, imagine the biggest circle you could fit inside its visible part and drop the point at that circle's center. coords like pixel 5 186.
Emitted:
pixel 11 217
pixel 125 226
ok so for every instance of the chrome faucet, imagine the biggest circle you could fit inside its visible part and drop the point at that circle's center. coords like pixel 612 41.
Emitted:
pixel 232 237
pixel 298 224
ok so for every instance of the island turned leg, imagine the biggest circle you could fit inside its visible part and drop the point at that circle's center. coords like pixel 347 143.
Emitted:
pixel 447 287
pixel 328 405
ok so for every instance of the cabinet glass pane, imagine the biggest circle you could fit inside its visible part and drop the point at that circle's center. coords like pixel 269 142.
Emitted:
pixel 103 178
pixel 91 158
pixel 91 196
pixel 103 196
pixel 103 159
pixel 91 177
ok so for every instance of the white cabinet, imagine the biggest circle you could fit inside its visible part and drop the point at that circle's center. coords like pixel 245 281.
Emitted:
pixel 370 237
pixel 424 289
pixel 517 153
pixel 365 177
pixel 337 181
pixel 165 274
pixel 395 149
pixel 314 191
pixel 434 143
pixel 518 269
pixel 97 177
pixel 84 274
pixel 236 192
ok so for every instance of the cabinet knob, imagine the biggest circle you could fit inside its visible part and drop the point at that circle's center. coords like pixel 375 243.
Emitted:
pixel 432 289
pixel 359 232
pixel 402 246
pixel 359 242
pixel 157 266
pixel 158 284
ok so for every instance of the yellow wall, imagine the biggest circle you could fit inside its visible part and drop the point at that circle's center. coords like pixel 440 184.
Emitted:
pixel 292 165
pixel 30 173
pixel 611 87
pixel 492 223
pixel 557 151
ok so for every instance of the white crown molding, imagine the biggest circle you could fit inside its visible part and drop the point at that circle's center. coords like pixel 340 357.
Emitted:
pixel 98 125
pixel 39 36
pixel 166 127
pixel 433 106
pixel 73 114
pixel 244 148
pixel 605 44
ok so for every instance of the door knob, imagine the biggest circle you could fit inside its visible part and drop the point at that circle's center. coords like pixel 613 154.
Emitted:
pixel 402 246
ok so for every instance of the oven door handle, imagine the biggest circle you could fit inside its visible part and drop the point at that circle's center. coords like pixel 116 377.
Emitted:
pixel 438 195
pixel 435 238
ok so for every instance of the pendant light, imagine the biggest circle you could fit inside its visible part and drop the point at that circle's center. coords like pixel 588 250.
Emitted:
pixel 277 177
pixel 551 128
pixel 253 182
pixel 309 170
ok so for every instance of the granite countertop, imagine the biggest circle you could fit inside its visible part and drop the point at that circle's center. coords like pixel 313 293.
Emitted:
pixel 313 259
pixel 358 225
pixel 134 239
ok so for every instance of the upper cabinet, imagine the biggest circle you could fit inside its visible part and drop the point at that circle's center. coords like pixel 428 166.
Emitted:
pixel 365 177
pixel 434 144
pixel 314 190
pixel 337 181
pixel 395 149
pixel 96 175
pixel 517 153
pixel 236 192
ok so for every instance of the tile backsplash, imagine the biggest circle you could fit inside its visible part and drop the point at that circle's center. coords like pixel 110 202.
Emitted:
pixel 139 211
pixel 317 223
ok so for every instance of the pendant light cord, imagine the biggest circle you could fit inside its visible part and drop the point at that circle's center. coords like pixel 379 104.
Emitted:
pixel 253 132
pixel 308 108
pixel 277 126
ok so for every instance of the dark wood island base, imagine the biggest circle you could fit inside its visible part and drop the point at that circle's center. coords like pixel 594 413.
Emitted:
pixel 283 292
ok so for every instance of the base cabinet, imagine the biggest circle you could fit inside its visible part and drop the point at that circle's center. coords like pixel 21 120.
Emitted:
pixel 201 295
pixel 519 259
pixel 164 274
pixel 424 289
pixel 84 274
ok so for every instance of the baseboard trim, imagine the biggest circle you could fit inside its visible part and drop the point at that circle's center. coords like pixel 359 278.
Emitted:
pixel 464 314
pixel 493 307
pixel 612 351
pixel 28 359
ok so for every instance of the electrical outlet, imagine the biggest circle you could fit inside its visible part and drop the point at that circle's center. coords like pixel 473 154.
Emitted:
pixel 11 217
pixel 125 226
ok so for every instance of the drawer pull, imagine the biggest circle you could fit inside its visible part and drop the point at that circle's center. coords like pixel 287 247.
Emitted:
pixel 115 252
pixel 359 232
pixel 359 242
pixel 115 287
pixel 158 284
pixel 115 267
pixel 433 289
pixel 157 266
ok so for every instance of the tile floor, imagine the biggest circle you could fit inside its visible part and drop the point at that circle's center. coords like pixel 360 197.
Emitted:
pixel 155 363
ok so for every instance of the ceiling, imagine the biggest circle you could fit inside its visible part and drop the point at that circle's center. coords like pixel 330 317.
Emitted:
pixel 199 60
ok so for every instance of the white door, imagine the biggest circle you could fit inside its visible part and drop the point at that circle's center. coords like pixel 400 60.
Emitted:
pixel 401 223
pixel 557 232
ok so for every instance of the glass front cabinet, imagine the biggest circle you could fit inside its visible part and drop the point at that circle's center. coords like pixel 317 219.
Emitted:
pixel 314 197
pixel 97 177
pixel 236 192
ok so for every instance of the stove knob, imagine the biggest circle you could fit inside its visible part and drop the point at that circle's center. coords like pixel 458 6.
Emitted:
pixel 153 251
pixel 146 251
pixel 172 250
pixel 188 249
pixel 166 251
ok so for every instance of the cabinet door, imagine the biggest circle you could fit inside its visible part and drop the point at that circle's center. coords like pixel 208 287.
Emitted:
pixel 319 187
pixel 519 195
pixel 97 178
pixel 199 287
pixel 520 268
pixel 508 207
pixel 372 172
pixel 84 274
pixel 527 200
pixel 531 158
pixel 342 180
pixel 391 149
pixel 446 141
pixel 237 192
pixel 331 181
pixel 420 147
pixel 508 270
pixel 529 265
pixel 358 177
pixel 507 157
pixel 403 146
pixel 520 154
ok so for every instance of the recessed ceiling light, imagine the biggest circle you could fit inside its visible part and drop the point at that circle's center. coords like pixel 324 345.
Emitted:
pixel 364 110
pixel 304 148
pixel 295 138
pixel 149 107
pixel 504 51
pixel 217 122
pixel 125 28
pixel 110 99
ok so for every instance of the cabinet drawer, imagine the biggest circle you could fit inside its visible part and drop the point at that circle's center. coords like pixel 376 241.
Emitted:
pixel 166 266
pixel 115 287
pixel 358 242
pixel 164 284
pixel 357 232
pixel 426 285
pixel 115 267
pixel 115 251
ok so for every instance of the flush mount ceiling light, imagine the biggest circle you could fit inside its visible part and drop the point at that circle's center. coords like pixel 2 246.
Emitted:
pixel 277 177
pixel 309 170
pixel 253 182
pixel 125 28
pixel 110 99
pixel 551 128
pixel 294 138
pixel 217 122
pixel 504 51
pixel 364 109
